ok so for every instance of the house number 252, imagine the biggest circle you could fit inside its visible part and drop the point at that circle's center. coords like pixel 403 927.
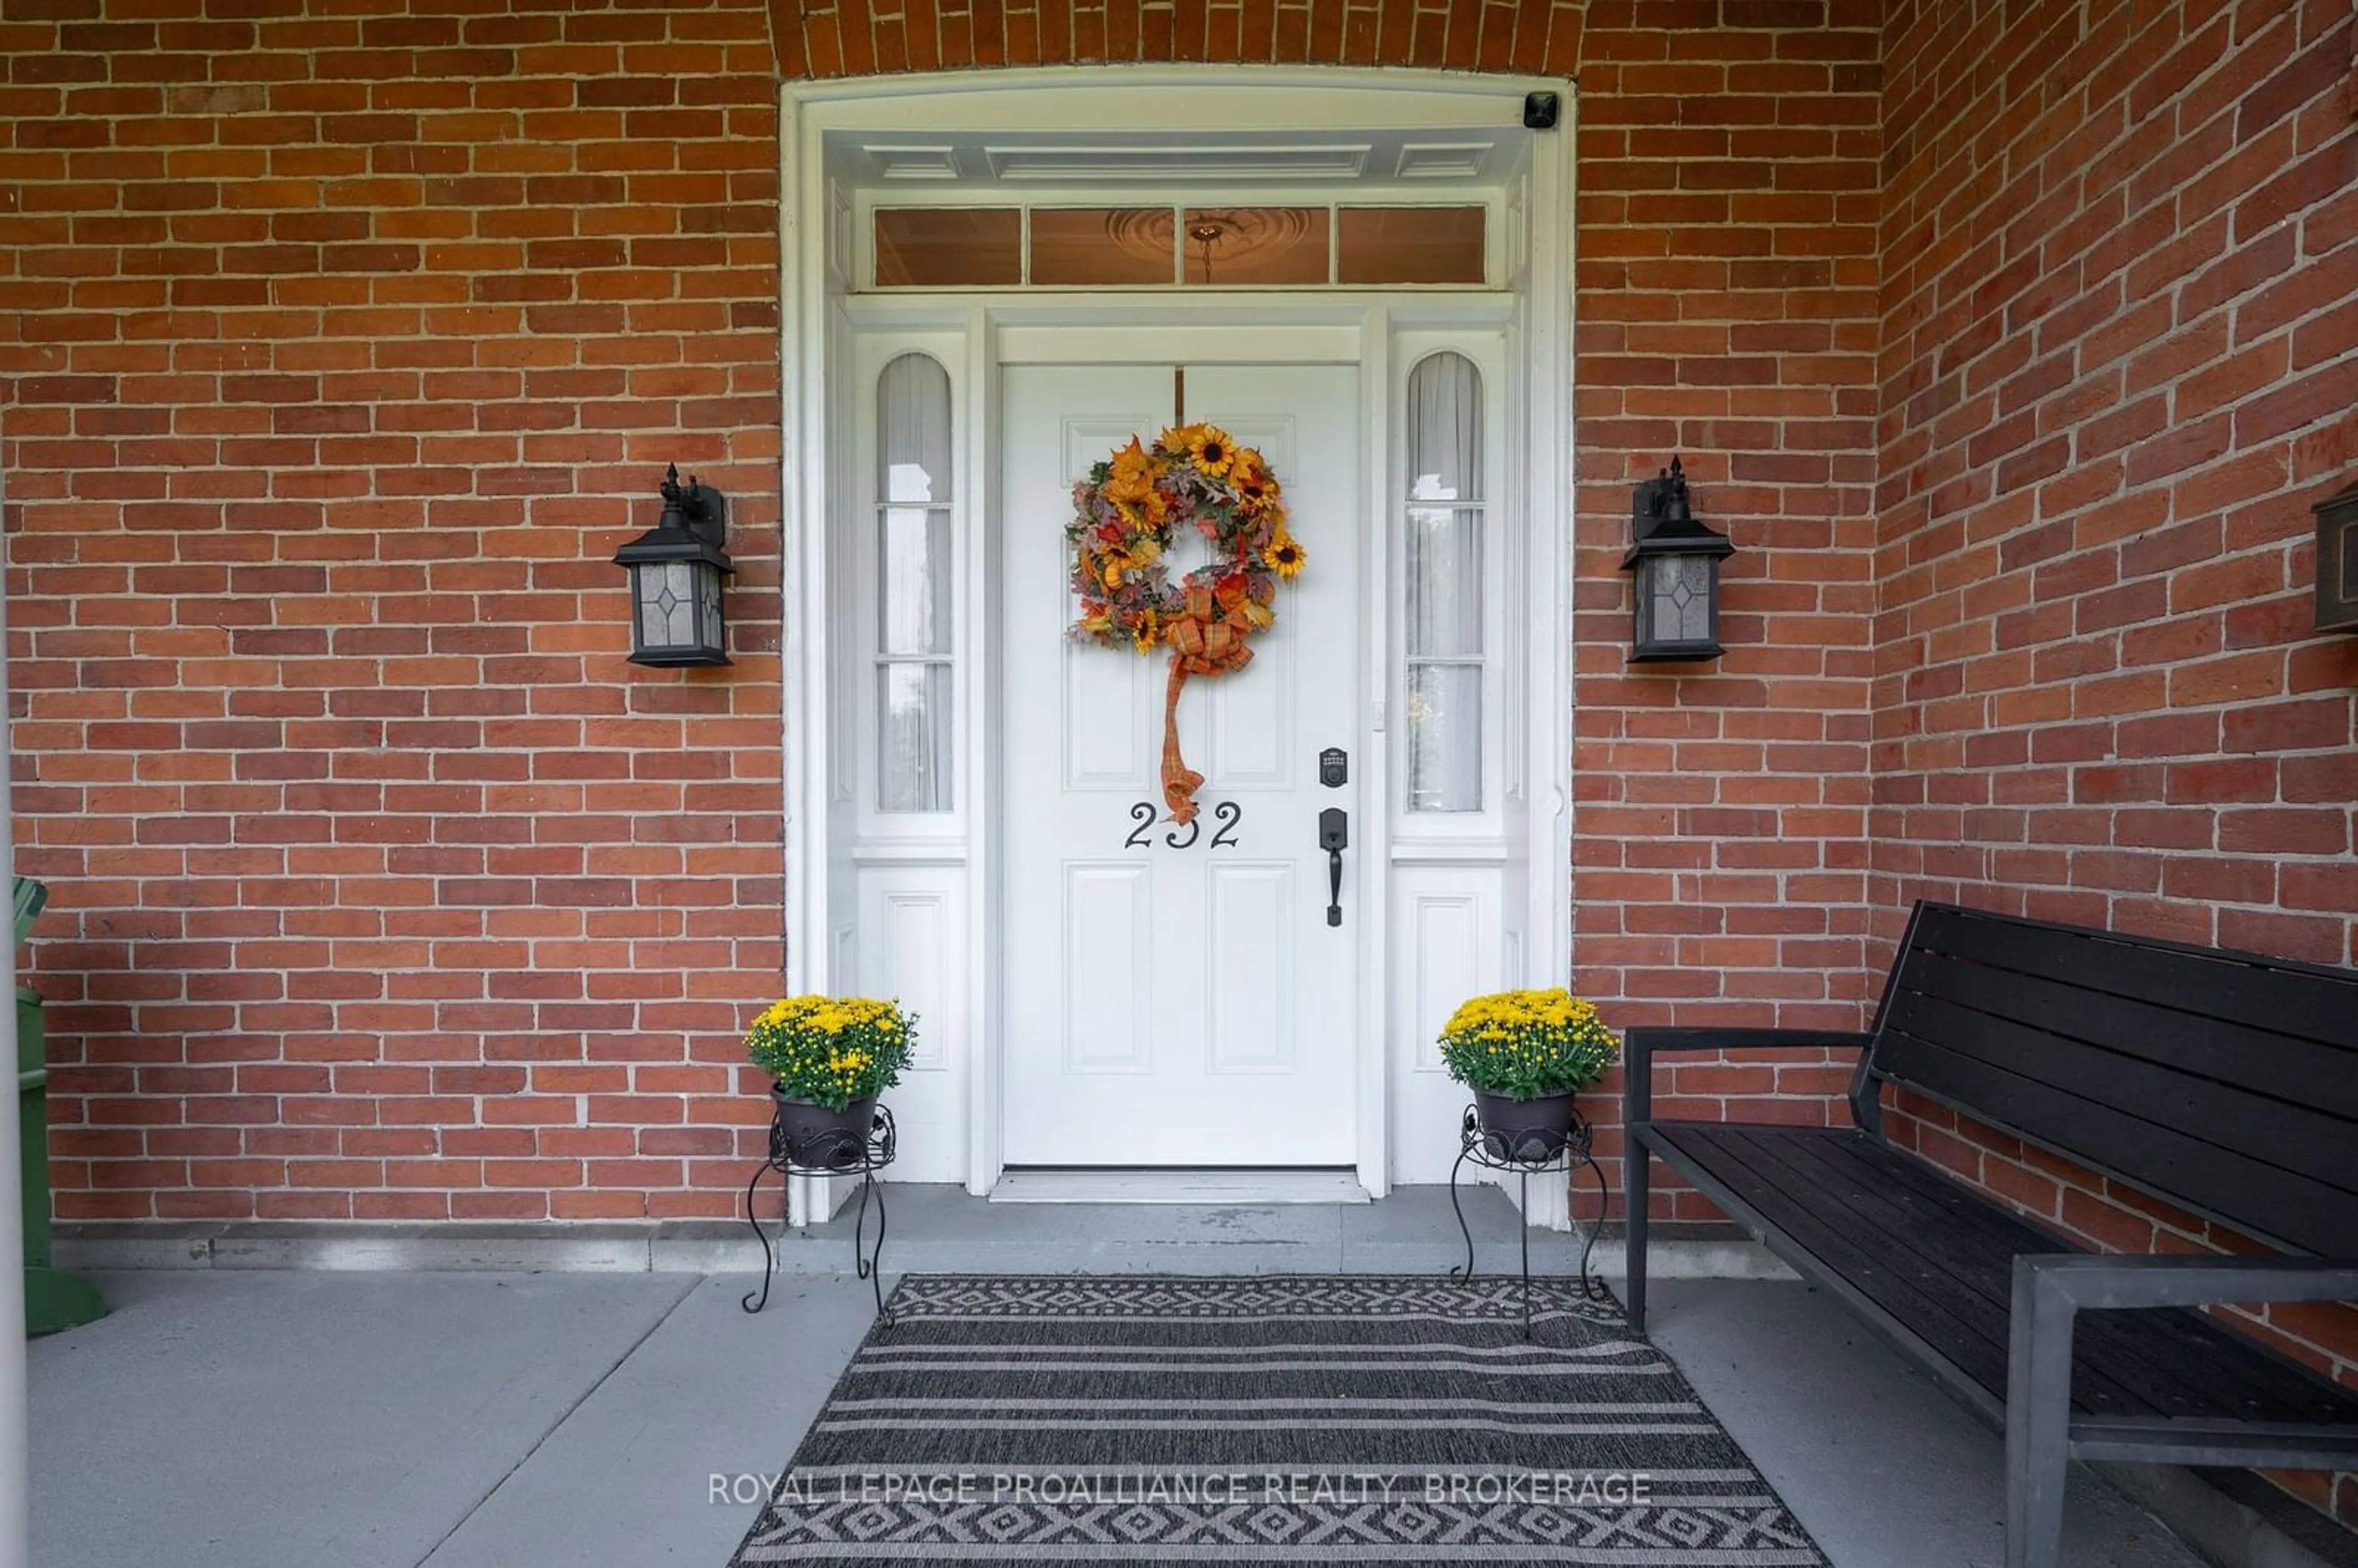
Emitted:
pixel 1228 813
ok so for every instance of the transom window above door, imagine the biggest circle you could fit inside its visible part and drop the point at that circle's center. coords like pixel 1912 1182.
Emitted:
pixel 1186 204
pixel 1181 245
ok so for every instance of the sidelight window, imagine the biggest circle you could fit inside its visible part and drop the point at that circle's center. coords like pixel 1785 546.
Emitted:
pixel 1446 528
pixel 913 586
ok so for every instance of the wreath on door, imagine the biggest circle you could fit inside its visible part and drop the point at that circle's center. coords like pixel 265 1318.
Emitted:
pixel 1125 516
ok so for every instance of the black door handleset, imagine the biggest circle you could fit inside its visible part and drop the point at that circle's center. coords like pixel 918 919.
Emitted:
pixel 1334 837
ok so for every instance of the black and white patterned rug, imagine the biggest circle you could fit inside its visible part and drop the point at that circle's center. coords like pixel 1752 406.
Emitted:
pixel 1151 1419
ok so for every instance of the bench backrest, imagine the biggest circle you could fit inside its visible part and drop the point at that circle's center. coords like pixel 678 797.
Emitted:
pixel 2224 1083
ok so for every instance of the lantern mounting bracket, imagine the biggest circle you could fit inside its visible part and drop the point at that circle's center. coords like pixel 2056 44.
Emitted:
pixel 704 510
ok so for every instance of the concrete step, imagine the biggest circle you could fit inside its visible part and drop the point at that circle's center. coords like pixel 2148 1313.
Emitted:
pixel 941 1229
pixel 945 1229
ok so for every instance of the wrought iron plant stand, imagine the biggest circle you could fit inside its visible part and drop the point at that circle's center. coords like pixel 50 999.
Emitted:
pixel 1527 1157
pixel 835 1151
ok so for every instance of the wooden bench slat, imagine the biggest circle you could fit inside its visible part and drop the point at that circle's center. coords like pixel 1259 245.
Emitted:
pixel 1975 1351
pixel 1971 1243
pixel 2298 1139
pixel 1953 1261
pixel 2286 997
pixel 2176 1364
pixel 2295 1070
pixel 1968 1245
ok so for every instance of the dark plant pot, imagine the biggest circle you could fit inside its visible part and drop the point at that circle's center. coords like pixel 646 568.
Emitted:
pixel 1525 1129
pixel 823 1139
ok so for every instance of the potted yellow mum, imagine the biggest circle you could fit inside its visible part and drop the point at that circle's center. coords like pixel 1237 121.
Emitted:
pixel 1525 1055
pixel 829 1057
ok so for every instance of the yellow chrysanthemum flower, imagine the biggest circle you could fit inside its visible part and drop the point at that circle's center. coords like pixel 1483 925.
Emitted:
pixel 832 1049
pixel 1527 1043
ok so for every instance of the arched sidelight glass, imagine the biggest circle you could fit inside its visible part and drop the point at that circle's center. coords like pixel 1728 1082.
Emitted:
pixel 914 713
pixel 1445 585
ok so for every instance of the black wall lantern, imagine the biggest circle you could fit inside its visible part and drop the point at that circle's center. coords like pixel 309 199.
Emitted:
pixel 2337 562
pixel 675 568
pixel 1677 562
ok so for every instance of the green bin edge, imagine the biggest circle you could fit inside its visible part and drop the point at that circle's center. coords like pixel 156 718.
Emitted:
pixel 54 1299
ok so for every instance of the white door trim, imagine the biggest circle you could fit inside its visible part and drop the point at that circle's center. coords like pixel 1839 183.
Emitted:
pixel 815 315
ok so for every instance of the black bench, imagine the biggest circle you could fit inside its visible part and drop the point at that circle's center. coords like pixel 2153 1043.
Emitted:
pixel 2222 1083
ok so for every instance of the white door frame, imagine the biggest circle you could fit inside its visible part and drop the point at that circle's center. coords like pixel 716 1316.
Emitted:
pixel 1535 403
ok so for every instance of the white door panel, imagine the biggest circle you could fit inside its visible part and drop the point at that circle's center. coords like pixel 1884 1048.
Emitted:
pixel 1175 996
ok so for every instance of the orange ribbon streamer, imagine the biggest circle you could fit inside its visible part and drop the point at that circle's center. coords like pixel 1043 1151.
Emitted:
pixel 1209 639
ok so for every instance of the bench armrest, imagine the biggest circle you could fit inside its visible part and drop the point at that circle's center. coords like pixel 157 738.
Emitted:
pixel 2085 1283
pixel 1639 1046
pixel 2042 1436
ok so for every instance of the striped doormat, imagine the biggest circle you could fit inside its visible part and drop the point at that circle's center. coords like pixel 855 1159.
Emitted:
pixel 1148 1419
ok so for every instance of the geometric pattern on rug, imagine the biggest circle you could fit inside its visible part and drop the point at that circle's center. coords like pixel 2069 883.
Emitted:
pixel 1304 1419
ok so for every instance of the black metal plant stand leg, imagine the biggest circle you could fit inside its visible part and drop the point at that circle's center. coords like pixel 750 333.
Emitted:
pixel 1491 1152
pixel 870 1265
pixel 835 1152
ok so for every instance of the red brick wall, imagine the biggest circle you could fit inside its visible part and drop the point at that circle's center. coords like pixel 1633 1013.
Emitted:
pixel 343 350
pixel 340 347
pixel 867 37
pixel 2120 361
pixel 1727 310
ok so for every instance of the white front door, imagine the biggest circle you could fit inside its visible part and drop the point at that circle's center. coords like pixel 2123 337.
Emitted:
pixel 1176 996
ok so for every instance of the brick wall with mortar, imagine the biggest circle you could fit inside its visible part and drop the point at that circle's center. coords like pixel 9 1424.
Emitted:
pixel 341 345
pixel 317 983
pixel 1726 267
pixel 2119 363
pixel 870 37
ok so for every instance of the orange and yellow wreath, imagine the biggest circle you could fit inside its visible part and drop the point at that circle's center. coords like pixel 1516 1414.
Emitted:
pixel 1125 516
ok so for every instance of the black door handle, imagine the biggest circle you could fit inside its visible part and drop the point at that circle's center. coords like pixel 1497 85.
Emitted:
pixel 1334 837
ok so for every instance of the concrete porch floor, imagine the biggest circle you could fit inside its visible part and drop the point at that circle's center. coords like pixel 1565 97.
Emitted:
pixel 256 1419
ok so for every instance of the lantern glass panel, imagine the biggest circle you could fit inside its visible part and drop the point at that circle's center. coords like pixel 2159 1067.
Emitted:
pixel 709 595
pixel 668 604
pixel 1677 602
